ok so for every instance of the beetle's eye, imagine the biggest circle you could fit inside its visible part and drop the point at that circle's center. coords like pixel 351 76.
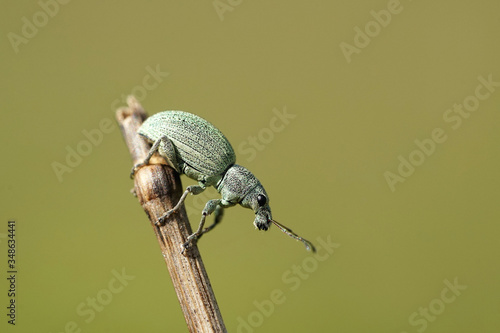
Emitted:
pixel 261 200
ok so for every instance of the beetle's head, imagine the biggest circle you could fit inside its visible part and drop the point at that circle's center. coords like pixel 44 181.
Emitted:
pixel 240 186
pixel 258 201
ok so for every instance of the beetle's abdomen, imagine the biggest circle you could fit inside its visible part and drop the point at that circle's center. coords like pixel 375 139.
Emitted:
pixel 199 143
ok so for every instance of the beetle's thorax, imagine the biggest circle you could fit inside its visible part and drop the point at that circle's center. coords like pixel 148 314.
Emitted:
pixel 238 180
pixel 239 185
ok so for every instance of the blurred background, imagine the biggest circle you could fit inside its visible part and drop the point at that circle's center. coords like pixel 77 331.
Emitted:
pixel 373 126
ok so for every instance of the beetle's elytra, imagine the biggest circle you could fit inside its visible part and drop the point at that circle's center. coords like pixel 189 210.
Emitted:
pixel 194 147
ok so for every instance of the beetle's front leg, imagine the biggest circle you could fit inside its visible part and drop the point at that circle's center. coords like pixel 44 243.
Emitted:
pixel 153 149
pixel 167 151
pixel 218 214
pixel 194 189
pixel 209 209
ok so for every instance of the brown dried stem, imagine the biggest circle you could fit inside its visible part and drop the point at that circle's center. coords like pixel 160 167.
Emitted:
pixel 158 188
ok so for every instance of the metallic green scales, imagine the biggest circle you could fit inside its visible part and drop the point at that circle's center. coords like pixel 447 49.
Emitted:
pixel 199 144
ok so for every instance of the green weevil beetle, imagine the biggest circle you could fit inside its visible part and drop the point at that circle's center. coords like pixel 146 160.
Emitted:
pixel 194 147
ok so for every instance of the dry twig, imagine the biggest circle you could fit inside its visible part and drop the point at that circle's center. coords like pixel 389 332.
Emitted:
pixel 158 188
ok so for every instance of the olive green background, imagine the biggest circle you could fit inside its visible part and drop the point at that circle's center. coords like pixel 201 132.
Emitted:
pixel 392 251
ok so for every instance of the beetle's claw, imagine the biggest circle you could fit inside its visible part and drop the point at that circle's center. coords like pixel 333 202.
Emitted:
pixel 133 171
pixel 161 221
pixel 135 168
pixel 184 247
pixel 191 240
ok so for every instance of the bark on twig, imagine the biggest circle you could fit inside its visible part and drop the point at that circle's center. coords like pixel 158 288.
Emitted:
pixel 158 188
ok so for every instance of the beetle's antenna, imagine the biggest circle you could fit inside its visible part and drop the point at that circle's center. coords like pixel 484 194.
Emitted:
pixel 292 234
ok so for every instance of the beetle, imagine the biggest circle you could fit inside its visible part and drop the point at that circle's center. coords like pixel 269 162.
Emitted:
pixel 194 147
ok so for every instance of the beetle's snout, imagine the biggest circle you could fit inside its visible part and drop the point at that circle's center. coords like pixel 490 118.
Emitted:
pixel 263 218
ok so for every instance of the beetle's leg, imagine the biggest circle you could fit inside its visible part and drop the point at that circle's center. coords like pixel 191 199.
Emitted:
pixel 210 207
pixel 166 150
pixel 194 189
pixel 153 149
pixel 218 214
